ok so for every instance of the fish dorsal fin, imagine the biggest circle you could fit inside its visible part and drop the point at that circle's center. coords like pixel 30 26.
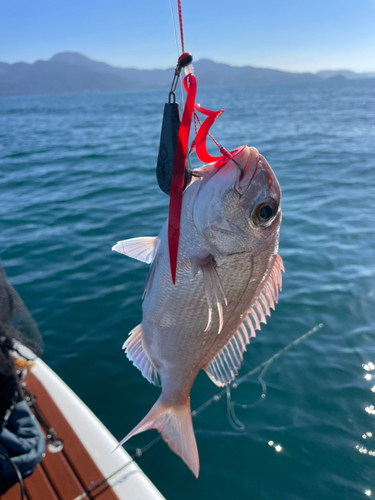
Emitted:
pixel 225 365
pixel 136 353
pixel 143 249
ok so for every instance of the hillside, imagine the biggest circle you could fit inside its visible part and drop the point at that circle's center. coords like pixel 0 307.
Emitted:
pixel 71 72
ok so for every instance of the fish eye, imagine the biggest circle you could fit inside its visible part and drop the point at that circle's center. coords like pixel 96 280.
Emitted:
pixel 264 212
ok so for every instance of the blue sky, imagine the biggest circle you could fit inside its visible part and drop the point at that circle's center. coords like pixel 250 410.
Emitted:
pixel 296 35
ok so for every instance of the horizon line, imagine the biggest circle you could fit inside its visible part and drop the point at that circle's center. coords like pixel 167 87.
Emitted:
pixel 198 60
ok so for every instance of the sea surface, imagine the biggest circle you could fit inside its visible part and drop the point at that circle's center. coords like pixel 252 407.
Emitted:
pixel 77 174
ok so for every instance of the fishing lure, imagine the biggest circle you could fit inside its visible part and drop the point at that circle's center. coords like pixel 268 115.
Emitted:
pixel 173 169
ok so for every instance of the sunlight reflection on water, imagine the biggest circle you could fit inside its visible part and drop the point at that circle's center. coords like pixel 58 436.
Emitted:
pixel 78 175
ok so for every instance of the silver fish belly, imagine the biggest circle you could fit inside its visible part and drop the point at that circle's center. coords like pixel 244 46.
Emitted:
pixel 228 277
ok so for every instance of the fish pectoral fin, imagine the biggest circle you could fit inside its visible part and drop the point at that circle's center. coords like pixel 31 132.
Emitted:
pixel 143 249
pixel 212 286
pixel 135 352
pixel 226 364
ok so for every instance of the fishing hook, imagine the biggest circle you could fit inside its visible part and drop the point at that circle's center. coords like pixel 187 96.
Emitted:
pixel 239 166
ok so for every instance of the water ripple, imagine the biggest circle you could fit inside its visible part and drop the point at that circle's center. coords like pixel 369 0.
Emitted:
pixel 78 174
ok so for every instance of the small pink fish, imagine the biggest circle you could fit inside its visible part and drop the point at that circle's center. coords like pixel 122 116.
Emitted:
pixel 228 276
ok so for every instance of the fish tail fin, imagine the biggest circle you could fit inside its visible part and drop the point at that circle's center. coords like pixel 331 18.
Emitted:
pixel 176 427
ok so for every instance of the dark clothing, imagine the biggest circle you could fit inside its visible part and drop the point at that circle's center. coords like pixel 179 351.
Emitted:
pixel 16 323
pixel 17 328
pixel 10 391
pixel 22 440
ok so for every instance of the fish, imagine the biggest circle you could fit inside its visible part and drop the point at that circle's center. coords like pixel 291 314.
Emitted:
pixel 228 279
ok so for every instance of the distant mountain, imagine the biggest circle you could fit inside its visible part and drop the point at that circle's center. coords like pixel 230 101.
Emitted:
pixel 52 77
pixel 136 77
pixel 209 72
pixel 71 72
pixel 345 73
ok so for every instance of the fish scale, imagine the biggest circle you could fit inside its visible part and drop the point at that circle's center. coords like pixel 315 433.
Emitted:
pixel 228 275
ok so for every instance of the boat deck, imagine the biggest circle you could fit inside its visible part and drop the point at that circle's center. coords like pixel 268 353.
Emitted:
pixel 64 475
pixel 87 453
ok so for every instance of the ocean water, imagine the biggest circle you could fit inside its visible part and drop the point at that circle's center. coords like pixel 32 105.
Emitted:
pixel 78 174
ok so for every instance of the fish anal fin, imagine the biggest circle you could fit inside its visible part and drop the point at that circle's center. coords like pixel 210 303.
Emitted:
pixel 280 263
pixel 135 352
pixel 176 427
pixel 226 364
pixel 143 249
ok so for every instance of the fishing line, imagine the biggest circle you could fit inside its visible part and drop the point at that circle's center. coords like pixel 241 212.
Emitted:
pixel 137 454
pixel 174 27
pixel 181 26
pixel 196 119
pixel 231 415
pixel 221 148
pixel 18 473
pixel 262 396
pixel 104 480
pixel 177 47
pixel 232 418
pixel 259 368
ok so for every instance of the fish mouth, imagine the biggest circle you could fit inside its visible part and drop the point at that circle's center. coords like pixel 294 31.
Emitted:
pixel 255 170
pixel 247 162
pixel 247 166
